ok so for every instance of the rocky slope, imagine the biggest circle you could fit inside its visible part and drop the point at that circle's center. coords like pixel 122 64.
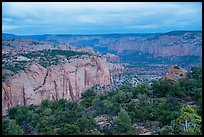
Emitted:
pixel 67 80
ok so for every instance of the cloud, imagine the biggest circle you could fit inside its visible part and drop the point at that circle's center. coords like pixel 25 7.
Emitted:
pixel 7 20
pixel 144 26
pixel 8 27
pixel 120 16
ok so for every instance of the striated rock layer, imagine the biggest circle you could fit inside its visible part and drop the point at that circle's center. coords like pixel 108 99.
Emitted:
pixel 67 81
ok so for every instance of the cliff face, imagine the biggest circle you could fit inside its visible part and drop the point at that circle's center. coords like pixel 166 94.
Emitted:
pixel 162 46
pixel 68 81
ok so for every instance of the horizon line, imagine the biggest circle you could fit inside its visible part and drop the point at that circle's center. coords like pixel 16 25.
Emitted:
pixel 104 33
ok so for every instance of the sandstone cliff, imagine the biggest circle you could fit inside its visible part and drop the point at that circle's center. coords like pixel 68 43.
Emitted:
pixel 67 80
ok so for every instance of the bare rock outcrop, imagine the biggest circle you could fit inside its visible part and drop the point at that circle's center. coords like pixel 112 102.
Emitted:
pixel 104 121
pixel 176 73
pixel 112 57
pixel 67 80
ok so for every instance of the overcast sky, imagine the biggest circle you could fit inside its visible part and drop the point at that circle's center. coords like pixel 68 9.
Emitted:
pixel 99 17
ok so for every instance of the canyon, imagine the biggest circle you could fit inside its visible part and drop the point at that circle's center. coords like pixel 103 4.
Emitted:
pixel 27 80
pixel 174 43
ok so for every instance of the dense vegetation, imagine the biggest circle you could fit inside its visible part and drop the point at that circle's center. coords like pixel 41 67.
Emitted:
pixel 47 58
pixel 163 101
pixel 13 67
pixel 20 65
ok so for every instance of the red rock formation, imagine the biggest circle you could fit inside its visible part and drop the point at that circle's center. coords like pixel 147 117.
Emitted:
pixel 175 73
pixel 67 81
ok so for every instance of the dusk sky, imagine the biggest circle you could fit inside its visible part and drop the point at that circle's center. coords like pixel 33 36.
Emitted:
pixel 100 17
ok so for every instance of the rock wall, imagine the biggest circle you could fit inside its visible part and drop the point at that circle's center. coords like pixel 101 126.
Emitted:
pixel 176 46
pixel 67 81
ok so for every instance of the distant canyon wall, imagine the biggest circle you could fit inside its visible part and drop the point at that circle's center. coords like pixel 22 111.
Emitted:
pixel 175 43
pixel 157 48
